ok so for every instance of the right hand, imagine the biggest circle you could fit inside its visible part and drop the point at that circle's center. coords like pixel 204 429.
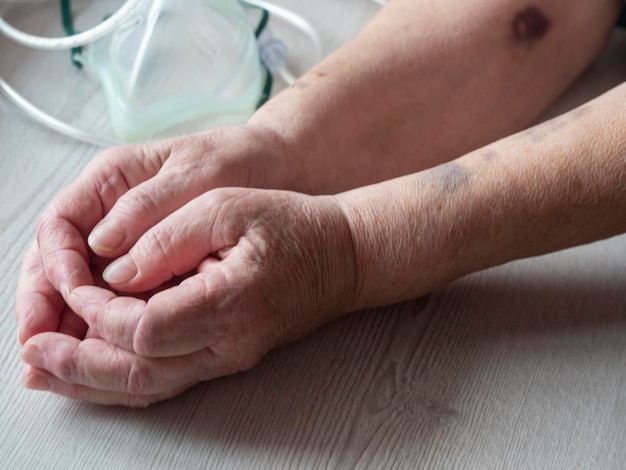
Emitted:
pixel 266 268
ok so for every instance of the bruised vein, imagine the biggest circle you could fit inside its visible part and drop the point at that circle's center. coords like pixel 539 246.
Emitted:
pixel 530 25
pixel 450 177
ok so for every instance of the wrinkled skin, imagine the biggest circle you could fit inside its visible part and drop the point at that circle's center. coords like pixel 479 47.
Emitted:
pixel 250 269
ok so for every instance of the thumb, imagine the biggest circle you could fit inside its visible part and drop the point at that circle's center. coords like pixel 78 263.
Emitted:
pixel 179 243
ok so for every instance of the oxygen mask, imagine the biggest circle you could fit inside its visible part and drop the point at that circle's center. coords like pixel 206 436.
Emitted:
pixel 149 89
pixel 162 64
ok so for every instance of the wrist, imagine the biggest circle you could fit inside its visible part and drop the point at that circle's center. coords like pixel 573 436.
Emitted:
pixel 258 155
pixel 404 245
pixel 339 277
pixel 554 186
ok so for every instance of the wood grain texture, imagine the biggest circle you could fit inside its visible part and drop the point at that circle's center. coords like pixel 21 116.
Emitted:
pixel 521 366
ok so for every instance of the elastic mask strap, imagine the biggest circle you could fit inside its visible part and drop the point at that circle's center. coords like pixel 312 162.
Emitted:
pixel 68 26
pixel 267 87
pixel 269 80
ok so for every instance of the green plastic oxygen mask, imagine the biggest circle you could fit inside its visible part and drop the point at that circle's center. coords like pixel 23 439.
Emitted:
pixel 171 66
pixel 173 61
pixel 163 63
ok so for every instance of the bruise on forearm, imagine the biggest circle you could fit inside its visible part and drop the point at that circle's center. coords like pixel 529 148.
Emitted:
pixel 538 134
pixel 530 24
pixel 425 82
pixel 559 184
pixel 449 177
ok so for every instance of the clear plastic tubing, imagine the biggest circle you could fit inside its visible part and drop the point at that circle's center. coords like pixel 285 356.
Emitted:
pixel 68 42
pixel 43 118
pixel 296 20
pixel 104 28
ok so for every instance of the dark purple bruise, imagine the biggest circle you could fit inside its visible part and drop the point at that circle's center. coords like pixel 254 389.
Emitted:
pixel 450 177
pixel 530 24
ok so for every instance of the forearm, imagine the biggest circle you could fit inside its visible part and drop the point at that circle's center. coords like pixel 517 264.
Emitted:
pixel 426 82
pixel 557 185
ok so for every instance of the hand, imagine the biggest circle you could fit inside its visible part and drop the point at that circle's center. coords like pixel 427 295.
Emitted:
pixel 125 191
pixel 270 267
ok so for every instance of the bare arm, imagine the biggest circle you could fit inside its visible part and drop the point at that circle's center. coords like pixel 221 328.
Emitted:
pixel 274 265
pixel 559 184
pixel 426 82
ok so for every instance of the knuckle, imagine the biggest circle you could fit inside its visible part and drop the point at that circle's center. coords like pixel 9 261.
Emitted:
pixel 45 225
pixel 154 155
pixel 144 338
pixel 68 372
pixel 139 200
pixel 159 246
pixel 68 368
pixel 214 362
pixel 234 362
pixel 247 361
pixel 138 380
pixel 206 369
pixel 157 241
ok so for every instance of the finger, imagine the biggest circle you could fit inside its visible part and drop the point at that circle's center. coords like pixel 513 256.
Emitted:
pixel 192 169
pixel 99 365
pixel 180 242
pixel 111 317
pixel 175 322
pixel 199 313
pixel 39 379
pixel 64 226
pixel 39 307
pixel 63 252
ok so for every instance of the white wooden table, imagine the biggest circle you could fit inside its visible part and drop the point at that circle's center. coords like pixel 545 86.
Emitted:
pixel 521 366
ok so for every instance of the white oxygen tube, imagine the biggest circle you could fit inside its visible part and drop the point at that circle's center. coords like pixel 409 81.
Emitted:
pixel 68 42
pixel 81 39
pixel 43 118
pixel 296 20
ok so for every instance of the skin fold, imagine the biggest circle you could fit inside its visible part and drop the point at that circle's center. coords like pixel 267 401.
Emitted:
pixel 396 165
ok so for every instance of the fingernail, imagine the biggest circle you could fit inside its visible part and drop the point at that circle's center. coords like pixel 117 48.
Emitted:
pixel 107 236
pixel 120 271
pixel 36 382
pixel 75 300
pixel 32 356
pixel 65 290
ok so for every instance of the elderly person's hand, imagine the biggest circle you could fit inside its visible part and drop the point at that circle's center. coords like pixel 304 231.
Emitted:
pixel 122 193
pixel 268 267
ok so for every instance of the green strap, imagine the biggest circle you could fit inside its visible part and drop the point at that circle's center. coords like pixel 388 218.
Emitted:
pixel 68 26
pixel 269 80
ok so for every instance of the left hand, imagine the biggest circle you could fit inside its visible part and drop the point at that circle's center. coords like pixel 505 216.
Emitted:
pixel 269 267
pixel 118 196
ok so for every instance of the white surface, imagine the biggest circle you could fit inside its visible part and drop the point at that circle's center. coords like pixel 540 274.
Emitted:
pixel 522 366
